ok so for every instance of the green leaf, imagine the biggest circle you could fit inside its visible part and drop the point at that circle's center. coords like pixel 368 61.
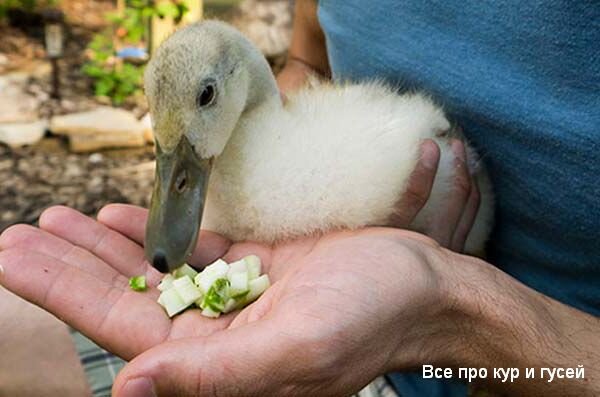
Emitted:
pixel 167 10
pixel 104 86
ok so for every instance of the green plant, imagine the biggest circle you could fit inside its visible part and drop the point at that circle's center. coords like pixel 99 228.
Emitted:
pixel 132 23
pixel 112 77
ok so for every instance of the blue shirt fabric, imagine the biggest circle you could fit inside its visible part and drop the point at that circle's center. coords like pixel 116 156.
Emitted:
pixel 523 80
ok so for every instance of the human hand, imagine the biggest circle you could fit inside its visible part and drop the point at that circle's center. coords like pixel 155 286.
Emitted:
pixel 452 223
pixel 328 325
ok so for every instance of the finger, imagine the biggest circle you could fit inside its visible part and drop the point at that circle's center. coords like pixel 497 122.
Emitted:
pixel 115 318
pixel 113 248
pixel 419 186
pixel 246 361
pixel 446 220
pixel 467 220
pixel 130 221
pixel 34 239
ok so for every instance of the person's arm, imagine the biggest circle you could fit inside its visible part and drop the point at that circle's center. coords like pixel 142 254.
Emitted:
pixel 307 54
pixel 497 322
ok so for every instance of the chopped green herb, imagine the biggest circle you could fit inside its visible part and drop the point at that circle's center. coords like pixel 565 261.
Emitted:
pixel 138 283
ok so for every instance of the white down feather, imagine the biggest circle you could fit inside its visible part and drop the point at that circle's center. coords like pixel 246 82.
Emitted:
pixel 334 157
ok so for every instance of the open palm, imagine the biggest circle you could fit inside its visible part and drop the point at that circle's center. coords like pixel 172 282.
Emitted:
pixel 78 269
pixel 327 305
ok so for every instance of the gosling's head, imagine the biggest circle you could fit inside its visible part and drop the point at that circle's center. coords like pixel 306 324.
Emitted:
pixel 198 84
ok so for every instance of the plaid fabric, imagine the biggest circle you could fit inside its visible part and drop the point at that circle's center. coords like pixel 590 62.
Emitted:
pixel 101 367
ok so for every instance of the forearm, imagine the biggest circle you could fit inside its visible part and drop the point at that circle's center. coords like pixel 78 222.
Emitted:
pixel 307 54
pixel 501 323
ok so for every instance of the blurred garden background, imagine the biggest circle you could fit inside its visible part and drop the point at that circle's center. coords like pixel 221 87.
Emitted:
pixel 74 130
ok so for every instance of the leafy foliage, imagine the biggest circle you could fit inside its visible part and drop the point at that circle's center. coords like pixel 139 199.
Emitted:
pixel 112 77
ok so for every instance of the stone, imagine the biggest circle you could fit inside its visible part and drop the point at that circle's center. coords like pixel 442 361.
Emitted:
pixel 102 120
pixel 21 134
pixel 96 158
pixel 90 143
pixel 16 106
pixel 103 127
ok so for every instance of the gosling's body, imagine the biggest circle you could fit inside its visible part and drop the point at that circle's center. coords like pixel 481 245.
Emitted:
pixel 333 157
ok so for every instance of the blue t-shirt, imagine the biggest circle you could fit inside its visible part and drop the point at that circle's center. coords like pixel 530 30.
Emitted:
pixel 523 80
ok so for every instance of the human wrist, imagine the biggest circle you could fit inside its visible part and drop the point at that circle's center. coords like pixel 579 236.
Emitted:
pixel 472 313
pixel 508 325
pixel 495 320
pixel 436 323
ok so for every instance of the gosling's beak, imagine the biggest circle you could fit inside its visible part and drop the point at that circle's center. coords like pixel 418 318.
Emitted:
pixel 176 207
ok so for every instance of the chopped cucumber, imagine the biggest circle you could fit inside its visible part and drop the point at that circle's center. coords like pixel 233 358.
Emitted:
pixel 172 302
pixel 254 266
pixel 166 283
pixel 257 287
pixel 238 284
pixel 185 270
pixel 187 290
pixel 219 267
pixel 237 267
pixel 205 279
pixel 219 288
pixel 208 312
pixel 230 305
pixel 138 283
pixel 217 295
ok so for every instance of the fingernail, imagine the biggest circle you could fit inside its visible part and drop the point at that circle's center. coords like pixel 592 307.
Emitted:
pixel 1 270
pixel 429 155
pixel 459 149
pixel 138 387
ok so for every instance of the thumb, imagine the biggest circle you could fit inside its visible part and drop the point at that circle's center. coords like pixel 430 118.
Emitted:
pixel 419 186
pixel 245 361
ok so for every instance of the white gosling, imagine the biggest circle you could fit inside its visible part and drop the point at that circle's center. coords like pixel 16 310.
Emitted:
pixel 332 157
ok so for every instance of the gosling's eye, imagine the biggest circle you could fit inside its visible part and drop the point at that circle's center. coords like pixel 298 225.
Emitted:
pixel 206 96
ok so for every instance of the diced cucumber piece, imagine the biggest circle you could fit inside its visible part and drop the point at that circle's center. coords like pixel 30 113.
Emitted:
pixel 172 302
pixel 237 267
pixel 230 305
pixel 208 312
pixel 187 290
pixel 257 287
pixel 219 267
pixel 166 282
pixel 185 270
pixel 253 265
pixel 216 295
pixel 238 284
pixel 138 283
pixel 205 279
